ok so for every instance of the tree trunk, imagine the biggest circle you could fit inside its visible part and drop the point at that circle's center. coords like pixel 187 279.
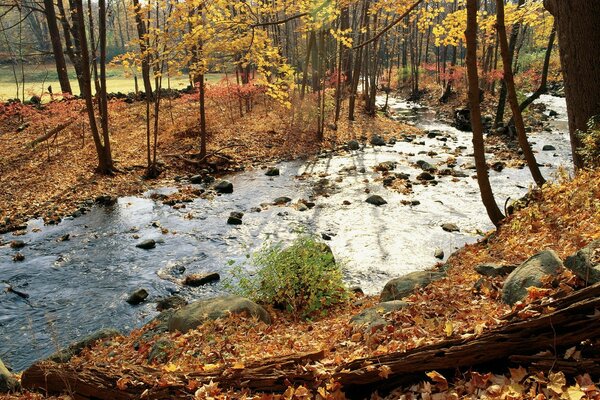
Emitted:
pixel 512 97
pixel 143 40
pixel 104 163
pixel 503 92
pixel 544 82
pixel 579 41
pixel 487 196
pixel 59 55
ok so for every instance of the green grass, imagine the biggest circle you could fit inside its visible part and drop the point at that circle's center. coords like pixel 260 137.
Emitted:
pixel 39 77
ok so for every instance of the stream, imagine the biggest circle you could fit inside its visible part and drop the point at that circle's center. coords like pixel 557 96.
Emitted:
pixel 80 285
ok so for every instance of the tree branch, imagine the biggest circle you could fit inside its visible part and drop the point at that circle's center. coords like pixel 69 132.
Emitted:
pixel 390 26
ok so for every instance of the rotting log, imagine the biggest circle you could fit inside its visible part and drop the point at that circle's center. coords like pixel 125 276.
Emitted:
pixel 101 382
pixel 52 132
pixel 568 321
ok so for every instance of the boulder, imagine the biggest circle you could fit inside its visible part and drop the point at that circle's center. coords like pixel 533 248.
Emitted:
pixel 494 270
pixel 462 119
pixel 386 166
pixel 194 314
pixel 17 244
pixel 76 348
pixel 224 187
pixel 586 263
pixel 196 280
pixel 159 324
pixel 425 166
pixel 425 176
pixel 449 227
pixel 376 200
pixel 372 318
pixel 281 200
pixel 398 288
pixel 170 302
pixel 196 179
pixel 377 140
pixel 439 253
pixel 137 297
pixel 235 218
pixel 106 200
pixel 353 145
pixel 273 171
pixel 159 353
pixel 528 274
pixel 548 147
pixel 146 244
pixel 8 383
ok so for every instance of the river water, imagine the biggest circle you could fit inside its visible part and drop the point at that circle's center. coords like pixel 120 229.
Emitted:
pixel 80 285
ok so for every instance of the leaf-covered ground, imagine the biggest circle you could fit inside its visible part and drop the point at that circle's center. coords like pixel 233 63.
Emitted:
pixel 563 216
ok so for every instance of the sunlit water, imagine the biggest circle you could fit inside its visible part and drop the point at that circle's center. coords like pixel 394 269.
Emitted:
pixel 79 286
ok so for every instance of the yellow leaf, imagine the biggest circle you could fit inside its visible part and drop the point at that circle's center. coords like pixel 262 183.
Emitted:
pixel 238 365
pixel 573 393
pixel 170 367
pixel 210 367
pixel 449 328
pixel 556 382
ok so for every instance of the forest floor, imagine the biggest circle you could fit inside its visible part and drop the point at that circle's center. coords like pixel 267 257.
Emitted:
pixel 55 178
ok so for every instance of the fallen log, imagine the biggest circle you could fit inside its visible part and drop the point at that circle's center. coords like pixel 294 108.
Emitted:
pixel 574 319
pixel 102 382
pixel 54 131
pixel 567 322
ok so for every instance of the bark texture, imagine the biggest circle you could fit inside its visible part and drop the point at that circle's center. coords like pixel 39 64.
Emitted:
pixel 578 28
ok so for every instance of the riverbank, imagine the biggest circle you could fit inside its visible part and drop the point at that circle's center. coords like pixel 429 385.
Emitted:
pixel 56 177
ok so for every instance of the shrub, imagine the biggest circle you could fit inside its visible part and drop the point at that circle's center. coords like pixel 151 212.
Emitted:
pixel 590 151
pixel 303 278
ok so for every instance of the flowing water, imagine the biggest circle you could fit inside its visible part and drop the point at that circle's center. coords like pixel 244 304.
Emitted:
pixel 80 285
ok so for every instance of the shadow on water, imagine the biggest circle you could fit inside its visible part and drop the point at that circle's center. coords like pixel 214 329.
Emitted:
pixel 80 285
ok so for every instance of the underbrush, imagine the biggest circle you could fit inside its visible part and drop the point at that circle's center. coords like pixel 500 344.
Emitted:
pixel 303 279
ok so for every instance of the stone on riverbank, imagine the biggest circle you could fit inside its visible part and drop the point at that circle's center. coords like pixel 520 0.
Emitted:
pixel 8 383
pixel 137 297
pixel 196 280
pixel 494 270
pixel 146 244
pixel 353 145
pixel 273 171
pixel 372 318
pixel 528 274
pixel 224 187
pixel 235 218
pixel 194 314
pixel 376 200
pixel 398 288
pixel 586 263
pixel 76 348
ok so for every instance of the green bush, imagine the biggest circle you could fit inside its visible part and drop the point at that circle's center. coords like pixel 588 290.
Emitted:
pixel 303 278
pixel 590 151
